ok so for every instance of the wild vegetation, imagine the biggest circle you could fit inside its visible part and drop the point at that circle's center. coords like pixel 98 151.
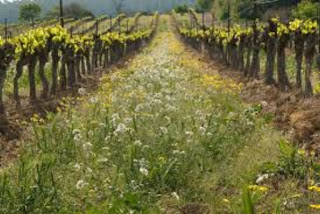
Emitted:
pixel 179 113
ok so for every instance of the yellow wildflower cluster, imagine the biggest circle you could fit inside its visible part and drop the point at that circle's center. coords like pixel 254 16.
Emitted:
pixel 316 88
pixel 226 201
pixel 315 206
pixel 36 119
pixel 220 83
pixel 314 188
pixel 258 188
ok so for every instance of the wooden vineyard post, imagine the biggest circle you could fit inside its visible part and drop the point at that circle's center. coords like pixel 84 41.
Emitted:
pixel 61 14
pixel 6 29
pixel 203 26
pixel 97 27
pixel 110 28
pixel 127 31
pixel 318 30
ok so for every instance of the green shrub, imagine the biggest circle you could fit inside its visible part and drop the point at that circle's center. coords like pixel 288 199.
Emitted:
pixel 305 9
pixel 181 8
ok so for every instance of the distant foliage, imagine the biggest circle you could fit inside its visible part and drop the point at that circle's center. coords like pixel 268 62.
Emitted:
pixel 245 11
pixel 10 9
pixel 181 8
pixel 245 7
pixel 305 9
pixel 204 4
pixel 73 10
pixel 29 12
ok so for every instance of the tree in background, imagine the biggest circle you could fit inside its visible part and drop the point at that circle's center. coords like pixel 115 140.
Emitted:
pixel 305 9
pixel 264 7
pixel 246 10
pixel 29 12
pixel 204 5
pixel 183 8
pixel 72 10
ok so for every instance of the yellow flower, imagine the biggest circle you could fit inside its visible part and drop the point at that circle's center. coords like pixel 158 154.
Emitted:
pixel 301 152
pixel 226 201
pixel 258 188
pixel 296 196
pixel 314 188
pixel 315 206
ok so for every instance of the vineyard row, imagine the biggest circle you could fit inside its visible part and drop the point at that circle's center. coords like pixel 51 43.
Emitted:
pixel 72 57
pixel 243 48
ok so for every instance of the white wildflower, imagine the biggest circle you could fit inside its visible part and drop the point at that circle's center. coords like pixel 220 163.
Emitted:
pixel 82 91
pixel 189 133
pixel 94 100
pixel 102 125
pixel 89 170
pixel 139 108
pixel 202 130
pixel 87 146
pixel 144 171
pixel 164 130
pixel 171 108
pixel 127 120
pixel 90 133
pixel 174 194
pixel 76 131
pixel 115 118
pixel 137 143
pixel 77 167
pixel 103 160
pixel 121 128
pixel 106 148
pixel 168 119
pixel 262 178
pixel 178 152
pixel 80 184
pixel 77 137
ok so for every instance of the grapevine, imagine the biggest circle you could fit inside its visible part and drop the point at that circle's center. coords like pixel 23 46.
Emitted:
pixel 229 46
pixel 79 54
